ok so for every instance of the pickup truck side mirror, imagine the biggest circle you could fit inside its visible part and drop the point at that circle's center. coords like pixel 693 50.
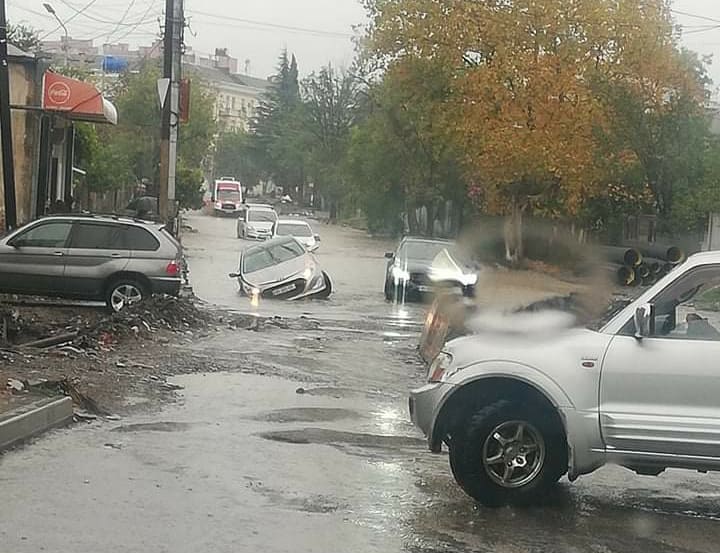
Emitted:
pixel 317 238
pixel 645 321
pixel 234 275
pixel 389 255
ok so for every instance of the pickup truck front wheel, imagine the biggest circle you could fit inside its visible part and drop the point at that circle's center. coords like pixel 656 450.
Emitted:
pixel 508 454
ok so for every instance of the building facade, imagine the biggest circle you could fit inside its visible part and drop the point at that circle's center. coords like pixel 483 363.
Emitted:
pixel 236 96
pixel 24 90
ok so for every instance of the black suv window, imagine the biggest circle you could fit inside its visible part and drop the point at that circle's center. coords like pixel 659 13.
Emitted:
pixel 97 236
pixel 139 239
pixel 45 235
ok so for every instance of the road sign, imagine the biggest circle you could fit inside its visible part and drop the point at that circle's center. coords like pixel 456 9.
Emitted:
pixel 162 87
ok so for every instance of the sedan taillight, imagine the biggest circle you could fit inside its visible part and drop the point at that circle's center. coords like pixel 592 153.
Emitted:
pixel 173 268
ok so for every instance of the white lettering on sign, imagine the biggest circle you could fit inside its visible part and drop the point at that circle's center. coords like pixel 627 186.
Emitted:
pixel 59 93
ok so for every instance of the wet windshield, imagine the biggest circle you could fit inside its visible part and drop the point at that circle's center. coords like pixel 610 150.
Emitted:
pixel 261 216
pixel 228 195
pixel 422 250
pixel 262 257
pixel 293 229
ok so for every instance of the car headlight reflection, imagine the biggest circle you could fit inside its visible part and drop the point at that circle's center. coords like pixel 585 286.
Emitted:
pixel 400 274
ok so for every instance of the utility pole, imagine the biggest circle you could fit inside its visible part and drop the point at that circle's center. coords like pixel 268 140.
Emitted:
pixel 172 68
pixel 8 162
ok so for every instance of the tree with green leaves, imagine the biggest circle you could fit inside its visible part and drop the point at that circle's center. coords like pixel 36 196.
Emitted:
pixel 235 156
pixel 411 156
pixel 130 152
pixel 277 129
pixel 330 98
pixel 24 37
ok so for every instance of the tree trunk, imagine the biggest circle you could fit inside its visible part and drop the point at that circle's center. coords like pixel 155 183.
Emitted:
pixel 513 234
pixel 412 220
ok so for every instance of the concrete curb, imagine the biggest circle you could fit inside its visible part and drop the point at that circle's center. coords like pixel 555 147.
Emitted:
pixel 28 421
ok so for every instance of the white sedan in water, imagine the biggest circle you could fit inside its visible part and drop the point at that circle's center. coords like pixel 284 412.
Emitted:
pixel 300 230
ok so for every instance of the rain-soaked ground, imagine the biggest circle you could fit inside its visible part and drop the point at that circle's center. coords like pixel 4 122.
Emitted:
pixel 308 447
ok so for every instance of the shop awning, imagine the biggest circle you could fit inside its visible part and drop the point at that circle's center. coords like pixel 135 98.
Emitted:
pixel 76 100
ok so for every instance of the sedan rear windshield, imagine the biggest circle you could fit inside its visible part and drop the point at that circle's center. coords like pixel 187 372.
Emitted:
pixel 262 257
pixel 293 229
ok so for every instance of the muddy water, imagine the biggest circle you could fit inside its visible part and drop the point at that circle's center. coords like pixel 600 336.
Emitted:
pixel 317 456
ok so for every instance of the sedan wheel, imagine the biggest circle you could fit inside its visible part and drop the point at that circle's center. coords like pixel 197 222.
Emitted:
pixel 123 294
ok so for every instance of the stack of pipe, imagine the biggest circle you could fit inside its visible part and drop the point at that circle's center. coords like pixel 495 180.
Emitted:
pixel 642 265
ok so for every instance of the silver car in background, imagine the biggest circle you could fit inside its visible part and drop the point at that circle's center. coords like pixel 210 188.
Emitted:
pixel 281 268
pixel 300 230
pixel 118 260
pixel 256 221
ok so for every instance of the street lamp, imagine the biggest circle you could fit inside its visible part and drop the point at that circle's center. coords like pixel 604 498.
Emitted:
pixel 52 12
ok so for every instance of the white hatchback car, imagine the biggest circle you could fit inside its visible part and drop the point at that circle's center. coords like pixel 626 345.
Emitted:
pixel 256 221
pixel 300 230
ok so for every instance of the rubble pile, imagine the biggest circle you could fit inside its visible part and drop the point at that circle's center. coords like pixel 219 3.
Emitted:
pixel 164 312
pixel 42 327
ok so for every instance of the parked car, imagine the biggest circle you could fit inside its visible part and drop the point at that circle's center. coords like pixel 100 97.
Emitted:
pixel 256 221
pixel 281 268
pixel 118 260
pixel 519 410
pixel 420 264
pixel 301 230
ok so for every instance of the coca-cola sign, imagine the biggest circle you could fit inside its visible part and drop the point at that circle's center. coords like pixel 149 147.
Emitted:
pixel 59 93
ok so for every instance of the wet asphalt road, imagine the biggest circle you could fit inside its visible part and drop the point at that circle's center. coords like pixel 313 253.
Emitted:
pixel 308 447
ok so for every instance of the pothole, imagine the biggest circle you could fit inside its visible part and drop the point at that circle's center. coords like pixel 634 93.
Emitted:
pixel 164 426
pixel 336 437
pixel 307 414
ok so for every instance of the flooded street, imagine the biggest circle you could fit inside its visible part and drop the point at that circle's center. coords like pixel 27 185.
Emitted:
pixel 307 447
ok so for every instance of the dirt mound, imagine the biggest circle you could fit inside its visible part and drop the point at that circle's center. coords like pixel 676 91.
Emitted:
pixel 163 312
pixel 46 326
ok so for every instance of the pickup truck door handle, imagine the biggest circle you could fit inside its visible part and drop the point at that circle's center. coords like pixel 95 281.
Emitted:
pixel 58 254
pixel 116 255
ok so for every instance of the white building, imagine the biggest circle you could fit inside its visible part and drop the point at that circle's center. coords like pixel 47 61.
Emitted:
pixel 236 96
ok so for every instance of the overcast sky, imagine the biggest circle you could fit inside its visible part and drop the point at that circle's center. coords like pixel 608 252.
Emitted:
pixel 317 31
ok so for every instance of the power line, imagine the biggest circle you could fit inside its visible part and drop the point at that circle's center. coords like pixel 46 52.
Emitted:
pixel 696 16
pixel 122 19
pixel 290 28
pixel 69 19
pixel 696 31
pixel 83 12
pixel 150 7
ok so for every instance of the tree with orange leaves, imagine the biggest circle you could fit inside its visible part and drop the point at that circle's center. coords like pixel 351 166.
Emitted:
pixel 530 79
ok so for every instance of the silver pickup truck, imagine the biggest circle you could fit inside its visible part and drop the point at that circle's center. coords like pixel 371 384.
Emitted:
pixel 519 410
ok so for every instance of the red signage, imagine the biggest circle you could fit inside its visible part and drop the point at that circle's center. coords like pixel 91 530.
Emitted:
pixel 184 114
pixel 62 93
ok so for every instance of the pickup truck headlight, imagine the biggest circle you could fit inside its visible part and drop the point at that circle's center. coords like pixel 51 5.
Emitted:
pixel 439 366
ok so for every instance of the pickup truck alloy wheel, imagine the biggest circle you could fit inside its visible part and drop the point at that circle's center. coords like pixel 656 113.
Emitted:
pixel 508 453
pixel 513 454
